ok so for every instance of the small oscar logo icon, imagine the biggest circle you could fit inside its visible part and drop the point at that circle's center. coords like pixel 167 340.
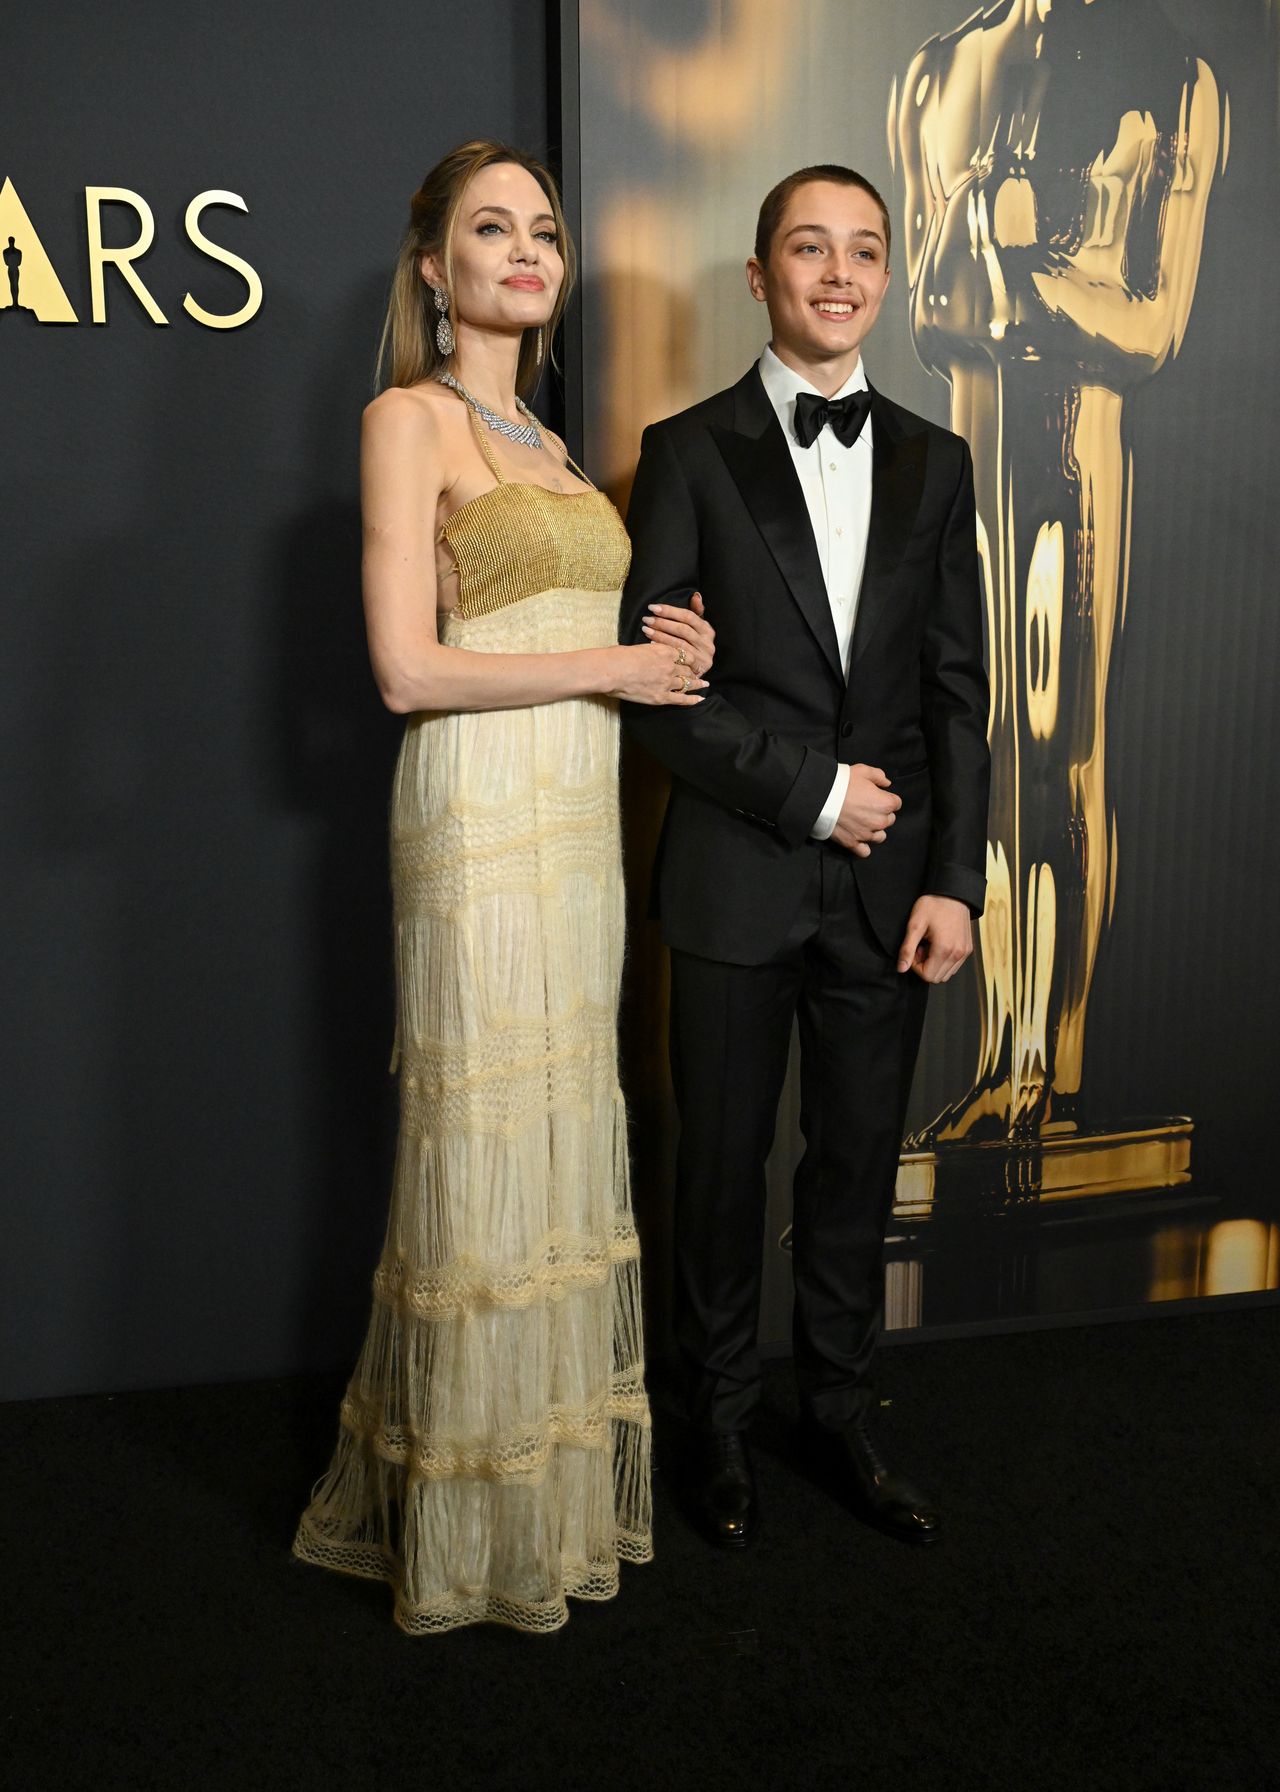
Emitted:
pixel 13 263
pixel 1057 163
pixel 32 292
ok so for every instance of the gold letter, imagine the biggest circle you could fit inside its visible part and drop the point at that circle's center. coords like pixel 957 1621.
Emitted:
pixel 99 257
pixel 233 319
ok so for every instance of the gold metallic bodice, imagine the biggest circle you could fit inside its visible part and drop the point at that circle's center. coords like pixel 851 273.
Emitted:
pixel 519 538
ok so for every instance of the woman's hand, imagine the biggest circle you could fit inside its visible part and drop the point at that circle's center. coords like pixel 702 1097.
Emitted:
pixel 652 673
pixel 688 631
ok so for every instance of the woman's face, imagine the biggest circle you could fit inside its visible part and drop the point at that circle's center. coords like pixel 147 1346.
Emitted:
pixel 507 265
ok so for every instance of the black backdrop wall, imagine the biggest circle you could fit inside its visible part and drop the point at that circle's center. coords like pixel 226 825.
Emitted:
pixel 194 766
pixel 195 984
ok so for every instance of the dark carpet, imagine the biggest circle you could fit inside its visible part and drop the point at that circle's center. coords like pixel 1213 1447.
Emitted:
pixel 1102 1613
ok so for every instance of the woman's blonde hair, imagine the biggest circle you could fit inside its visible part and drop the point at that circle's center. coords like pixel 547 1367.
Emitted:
pixel 408 351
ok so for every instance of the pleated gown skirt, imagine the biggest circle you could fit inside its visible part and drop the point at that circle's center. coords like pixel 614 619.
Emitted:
pixel 493 1456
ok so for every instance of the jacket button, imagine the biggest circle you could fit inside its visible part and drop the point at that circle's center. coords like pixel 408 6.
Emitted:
pixel 846 729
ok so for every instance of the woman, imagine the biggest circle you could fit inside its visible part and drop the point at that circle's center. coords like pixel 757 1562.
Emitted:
pixel 494 1450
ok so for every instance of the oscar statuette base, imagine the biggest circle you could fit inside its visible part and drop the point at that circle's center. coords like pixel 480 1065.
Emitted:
pixel 994 1175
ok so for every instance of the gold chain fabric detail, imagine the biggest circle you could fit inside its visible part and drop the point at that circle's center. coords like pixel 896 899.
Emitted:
pixel 566 539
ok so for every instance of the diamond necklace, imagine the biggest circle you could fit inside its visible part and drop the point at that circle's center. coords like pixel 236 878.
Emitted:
pixel 528 433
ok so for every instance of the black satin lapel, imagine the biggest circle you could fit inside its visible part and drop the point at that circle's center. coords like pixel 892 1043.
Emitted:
pixel 765 474
pixel 897 482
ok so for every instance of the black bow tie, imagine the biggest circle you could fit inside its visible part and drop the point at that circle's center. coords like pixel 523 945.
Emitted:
pixel 845 415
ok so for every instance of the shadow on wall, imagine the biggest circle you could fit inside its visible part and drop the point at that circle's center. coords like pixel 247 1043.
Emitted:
pixel 137 934
pixel 642 361
pixel 647 325
pixel 334 748
pixel 204 891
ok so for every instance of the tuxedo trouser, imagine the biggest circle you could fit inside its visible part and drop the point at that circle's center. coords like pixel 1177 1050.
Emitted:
pixel 860 1022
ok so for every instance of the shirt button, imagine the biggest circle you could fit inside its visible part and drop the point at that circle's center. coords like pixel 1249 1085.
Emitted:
pixel 832 465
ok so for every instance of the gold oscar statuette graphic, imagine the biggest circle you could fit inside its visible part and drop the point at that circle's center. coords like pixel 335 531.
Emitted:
pixel 1057 157
pixel 31 290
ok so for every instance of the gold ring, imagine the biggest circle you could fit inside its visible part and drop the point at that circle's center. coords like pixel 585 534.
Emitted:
pixel 680 659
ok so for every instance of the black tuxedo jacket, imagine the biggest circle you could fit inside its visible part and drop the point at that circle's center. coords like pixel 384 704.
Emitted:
pixel 717 508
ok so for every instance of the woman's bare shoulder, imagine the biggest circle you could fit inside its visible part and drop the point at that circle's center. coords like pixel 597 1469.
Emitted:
pixel 425 414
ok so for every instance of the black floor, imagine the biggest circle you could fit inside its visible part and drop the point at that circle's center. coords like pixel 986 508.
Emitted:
pixel 1102 1613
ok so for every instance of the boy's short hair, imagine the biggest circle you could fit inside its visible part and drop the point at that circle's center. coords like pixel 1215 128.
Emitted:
pixel 775 202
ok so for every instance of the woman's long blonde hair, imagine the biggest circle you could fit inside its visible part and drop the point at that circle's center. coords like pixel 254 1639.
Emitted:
pixel 408 351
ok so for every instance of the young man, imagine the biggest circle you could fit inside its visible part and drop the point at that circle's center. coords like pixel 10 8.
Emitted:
pixel 824 848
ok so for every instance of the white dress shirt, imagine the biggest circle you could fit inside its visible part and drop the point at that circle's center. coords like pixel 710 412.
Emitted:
pixel 836 482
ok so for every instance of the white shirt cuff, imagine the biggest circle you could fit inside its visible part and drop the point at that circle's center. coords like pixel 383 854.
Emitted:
pixel 824 826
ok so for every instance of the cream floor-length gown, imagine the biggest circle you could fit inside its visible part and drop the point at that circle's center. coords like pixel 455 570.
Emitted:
pixel 493 1456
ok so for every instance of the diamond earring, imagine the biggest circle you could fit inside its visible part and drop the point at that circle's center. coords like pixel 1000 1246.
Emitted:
pixel 444 329
pixel 541 343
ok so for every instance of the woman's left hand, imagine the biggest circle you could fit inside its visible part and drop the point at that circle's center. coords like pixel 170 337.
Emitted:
pixel 686 630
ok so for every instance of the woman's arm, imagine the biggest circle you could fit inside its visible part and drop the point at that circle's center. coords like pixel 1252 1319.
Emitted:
pixel 403 473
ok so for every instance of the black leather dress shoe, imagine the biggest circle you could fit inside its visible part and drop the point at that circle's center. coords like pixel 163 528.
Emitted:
pixel 722 1488
pixel 852 1461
